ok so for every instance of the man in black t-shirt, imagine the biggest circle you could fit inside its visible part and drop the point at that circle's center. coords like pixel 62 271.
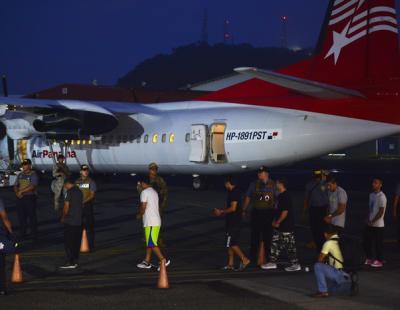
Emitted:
pixel 72 220
pixel 233 213
pixel 283 237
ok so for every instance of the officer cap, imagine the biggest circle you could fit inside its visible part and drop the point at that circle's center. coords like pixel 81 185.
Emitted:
pixel 262 169
pixel 26 162
pixel 153 166
pixel 84 167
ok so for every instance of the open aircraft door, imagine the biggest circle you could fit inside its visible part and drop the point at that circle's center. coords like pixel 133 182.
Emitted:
pixel 198 144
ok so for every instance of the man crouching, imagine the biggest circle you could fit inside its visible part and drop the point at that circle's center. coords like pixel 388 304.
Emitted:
pixel 329 271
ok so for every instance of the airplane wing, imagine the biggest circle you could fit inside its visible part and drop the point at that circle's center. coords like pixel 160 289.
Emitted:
pixel 306 87
pixel 67 118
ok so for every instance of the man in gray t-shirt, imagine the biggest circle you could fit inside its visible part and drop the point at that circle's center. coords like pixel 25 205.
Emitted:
pixel 337 204
pixel 72 220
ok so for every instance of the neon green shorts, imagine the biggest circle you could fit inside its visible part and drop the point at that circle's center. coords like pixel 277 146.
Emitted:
pixel 151 234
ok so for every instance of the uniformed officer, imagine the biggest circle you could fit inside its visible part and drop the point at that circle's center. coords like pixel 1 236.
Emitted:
pixel 261 195
pixel 88 188
pixel 60 173
pixel 25 190
pixel 316 203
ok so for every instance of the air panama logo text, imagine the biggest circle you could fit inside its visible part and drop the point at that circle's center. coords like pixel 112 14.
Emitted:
pixel 361 21
pixel 49 154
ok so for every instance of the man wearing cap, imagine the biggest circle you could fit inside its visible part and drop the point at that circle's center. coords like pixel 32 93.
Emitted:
pixel 25 191
pixel 261 195
pixel 60 173
pixel 316 203
pixel 88 188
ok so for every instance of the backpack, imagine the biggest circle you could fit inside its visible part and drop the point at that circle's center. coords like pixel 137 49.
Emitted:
pixel 352 252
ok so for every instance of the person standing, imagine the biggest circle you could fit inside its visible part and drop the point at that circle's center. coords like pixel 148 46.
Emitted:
pixel 316 203
pixel 160 186
pixel 5 230
pixel 328 270
pixel 261 195
pixel 25 190
pixel 396 211
pixel 72 220
pixel 373 235
pixel 60 173
pixel 150 214
pixel 283 238
pixel 337 205
pixel 88 188
pixel 233 216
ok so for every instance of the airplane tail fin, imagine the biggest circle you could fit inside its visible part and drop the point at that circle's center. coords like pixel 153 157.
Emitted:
pixel 358 43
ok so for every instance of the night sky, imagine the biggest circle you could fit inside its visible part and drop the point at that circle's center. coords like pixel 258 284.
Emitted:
pixel 48 42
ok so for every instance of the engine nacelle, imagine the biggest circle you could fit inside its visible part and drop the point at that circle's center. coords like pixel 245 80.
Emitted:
pixel 19 128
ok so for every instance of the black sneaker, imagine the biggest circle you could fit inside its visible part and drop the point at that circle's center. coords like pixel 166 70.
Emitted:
pixel 354 289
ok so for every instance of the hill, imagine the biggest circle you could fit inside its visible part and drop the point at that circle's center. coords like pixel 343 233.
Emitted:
pixel 195 63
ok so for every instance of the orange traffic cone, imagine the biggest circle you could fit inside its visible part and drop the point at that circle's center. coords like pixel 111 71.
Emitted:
pixel 16 276
pixel 163 277
pixel 261 254
pixel 84 243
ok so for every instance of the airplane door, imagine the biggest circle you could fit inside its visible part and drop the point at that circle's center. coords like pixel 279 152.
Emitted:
pixel 198 144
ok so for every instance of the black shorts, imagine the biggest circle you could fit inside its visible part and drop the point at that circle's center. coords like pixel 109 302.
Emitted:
pixel 232 238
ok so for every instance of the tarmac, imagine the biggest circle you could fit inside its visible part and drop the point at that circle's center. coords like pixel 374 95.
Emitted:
pixel 107 278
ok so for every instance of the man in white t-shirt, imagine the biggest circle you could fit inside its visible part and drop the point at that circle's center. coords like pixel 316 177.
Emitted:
pixel 337 204
pixel 150 214
pixel 373 235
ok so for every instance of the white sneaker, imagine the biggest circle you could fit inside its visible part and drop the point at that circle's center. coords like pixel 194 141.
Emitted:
pixel 269 266
pixel 167 263
pixel 295 267
pixel 144 265
pixel 69 266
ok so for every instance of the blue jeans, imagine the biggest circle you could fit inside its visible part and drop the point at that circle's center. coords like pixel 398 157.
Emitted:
pixel 330 278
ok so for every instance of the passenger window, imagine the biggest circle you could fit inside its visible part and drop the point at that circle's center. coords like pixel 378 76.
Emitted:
pixel 187 137
pixel 146 138
pixel 164 138
pixel 155 138
pixel 171 138
pixel 110 139
pixel 131 138
pixel 124 139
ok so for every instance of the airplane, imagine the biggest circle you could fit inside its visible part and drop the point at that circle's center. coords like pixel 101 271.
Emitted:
pixel 346 94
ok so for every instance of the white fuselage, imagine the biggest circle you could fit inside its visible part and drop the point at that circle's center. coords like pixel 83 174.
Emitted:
pixel 251 136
